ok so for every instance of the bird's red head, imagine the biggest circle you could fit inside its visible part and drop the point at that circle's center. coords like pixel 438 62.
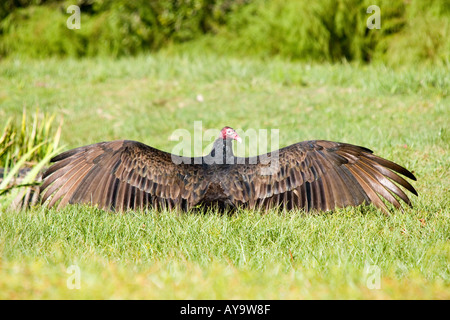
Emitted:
pixel 229 133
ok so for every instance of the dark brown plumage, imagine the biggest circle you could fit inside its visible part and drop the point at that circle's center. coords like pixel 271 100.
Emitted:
pixel 310 175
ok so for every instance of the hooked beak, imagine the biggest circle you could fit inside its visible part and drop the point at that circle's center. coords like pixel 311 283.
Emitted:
pixel 237 138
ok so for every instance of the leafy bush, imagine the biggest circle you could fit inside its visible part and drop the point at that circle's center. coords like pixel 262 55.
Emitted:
pixel 333 30
pixel 8 6
pixel 24 152
pixel 328 30
pixel 424 36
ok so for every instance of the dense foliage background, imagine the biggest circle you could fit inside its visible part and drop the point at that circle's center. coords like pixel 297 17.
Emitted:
pixel 329 30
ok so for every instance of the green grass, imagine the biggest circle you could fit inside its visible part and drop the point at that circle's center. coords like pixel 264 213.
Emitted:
pixel 400 114
pixel 211 256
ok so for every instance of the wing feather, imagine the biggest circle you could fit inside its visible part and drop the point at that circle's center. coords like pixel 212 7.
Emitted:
pixel 310 175
pixel 319 175
pixel 122 175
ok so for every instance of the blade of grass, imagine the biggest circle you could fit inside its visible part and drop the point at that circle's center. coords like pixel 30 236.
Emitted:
pixel 18 165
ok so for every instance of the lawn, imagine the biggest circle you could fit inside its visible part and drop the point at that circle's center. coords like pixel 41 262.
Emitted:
pixel 360 253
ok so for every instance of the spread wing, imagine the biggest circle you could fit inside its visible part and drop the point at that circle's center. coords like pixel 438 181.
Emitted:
pixel 317 175
pixel 121 175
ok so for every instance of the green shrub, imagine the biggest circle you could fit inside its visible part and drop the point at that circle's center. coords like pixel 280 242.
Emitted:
pixel 336 30
pixel 109 27
pixel 8 6
pixel 424 37
pixel 39 31
pixel 329 30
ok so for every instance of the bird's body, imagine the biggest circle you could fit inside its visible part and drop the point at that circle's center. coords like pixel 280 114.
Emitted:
pixel 310 175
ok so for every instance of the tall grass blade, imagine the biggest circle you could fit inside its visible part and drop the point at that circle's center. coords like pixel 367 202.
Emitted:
pixel 17 166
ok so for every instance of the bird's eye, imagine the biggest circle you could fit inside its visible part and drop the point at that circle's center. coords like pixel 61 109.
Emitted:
pixel 229 131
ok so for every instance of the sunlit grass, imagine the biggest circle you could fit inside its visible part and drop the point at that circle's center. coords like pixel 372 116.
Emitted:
pixel 244 256
pixel 400 114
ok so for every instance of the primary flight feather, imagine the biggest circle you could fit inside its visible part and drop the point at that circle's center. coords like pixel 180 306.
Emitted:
pixel 310 175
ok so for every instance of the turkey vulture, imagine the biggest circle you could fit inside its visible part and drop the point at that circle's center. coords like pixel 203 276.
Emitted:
pixel 309 175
